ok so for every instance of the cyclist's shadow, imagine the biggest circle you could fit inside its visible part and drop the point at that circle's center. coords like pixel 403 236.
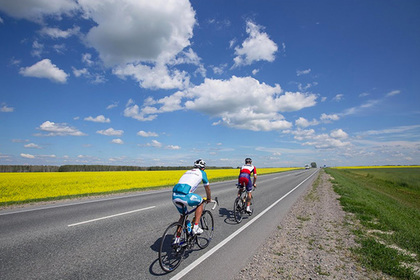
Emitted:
pixel 230 218
pixel 154 267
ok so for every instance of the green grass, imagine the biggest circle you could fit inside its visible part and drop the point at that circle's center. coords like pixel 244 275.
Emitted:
pixel 387 201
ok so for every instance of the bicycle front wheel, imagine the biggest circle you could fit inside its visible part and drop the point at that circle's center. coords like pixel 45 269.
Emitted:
pixel 207 224
pixel 171 253
pixel 238 207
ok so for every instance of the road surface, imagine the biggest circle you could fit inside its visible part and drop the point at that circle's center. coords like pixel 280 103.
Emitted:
pixel 117 237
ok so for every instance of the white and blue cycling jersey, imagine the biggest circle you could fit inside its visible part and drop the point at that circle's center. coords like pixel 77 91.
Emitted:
pixel 183 192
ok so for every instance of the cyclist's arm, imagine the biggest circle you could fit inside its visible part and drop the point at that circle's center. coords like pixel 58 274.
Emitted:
pixel 208 192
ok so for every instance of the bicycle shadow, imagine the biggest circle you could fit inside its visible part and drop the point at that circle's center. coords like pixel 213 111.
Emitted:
pixel 230 218
pixel 155 269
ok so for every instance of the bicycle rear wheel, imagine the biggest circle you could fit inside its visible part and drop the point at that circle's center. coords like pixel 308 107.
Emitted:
pixel 207 224
pixel 170 254
pixel 238 207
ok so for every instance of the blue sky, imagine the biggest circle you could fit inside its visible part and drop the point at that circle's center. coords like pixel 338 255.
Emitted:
pixel 163 82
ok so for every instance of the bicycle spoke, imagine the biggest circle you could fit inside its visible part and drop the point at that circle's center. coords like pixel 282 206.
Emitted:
pixel 170 254
pixel 237 209
pixel 207 224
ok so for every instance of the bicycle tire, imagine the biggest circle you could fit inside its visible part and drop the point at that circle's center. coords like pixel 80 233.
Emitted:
pixel 171 256
pixel 238 207
pixel 207 224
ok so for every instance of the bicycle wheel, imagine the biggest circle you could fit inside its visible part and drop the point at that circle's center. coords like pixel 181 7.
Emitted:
pixel 238 209
pixel 207 224
pixel 170 254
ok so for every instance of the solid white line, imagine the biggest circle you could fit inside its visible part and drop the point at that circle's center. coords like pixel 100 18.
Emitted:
pixel 221 244
pixel 112 216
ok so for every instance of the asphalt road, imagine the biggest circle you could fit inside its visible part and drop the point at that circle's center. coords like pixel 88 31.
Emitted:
pixel 117 237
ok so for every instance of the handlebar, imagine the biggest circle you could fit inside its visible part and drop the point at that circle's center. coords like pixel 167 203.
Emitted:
pixel 215 201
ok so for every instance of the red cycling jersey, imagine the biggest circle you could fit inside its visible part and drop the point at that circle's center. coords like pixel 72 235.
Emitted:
pixel 248 169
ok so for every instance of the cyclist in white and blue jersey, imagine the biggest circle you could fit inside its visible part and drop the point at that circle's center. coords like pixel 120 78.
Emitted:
pixel 183 192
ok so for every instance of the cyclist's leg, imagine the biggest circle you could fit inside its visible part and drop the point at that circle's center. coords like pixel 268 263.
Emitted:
pixel 180 202
pixel 243 181
pixel 195 200
pixel 249 196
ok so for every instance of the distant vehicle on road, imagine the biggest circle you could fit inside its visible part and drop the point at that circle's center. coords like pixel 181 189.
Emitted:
pixel 307 166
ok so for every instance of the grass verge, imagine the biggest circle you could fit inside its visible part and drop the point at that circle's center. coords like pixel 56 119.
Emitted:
pixel 386 202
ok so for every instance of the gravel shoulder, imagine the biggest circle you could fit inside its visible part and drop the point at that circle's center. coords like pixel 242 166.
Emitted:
pixel 312 242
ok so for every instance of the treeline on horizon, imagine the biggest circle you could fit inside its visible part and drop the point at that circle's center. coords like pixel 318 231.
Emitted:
pixel 91 168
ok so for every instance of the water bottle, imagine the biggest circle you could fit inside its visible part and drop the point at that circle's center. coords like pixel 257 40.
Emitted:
pixel 188 226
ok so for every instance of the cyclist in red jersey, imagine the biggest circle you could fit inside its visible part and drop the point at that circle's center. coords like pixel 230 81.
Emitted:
pixel 244 179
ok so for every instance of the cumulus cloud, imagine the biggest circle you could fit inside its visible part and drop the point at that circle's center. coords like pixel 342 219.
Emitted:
pixel 58 129
pixel 243 103
pixel 321 141
pixel 139 31
pixel 36 10
pixel 99 119
pixel 154 77
pixel 329 118
pixel 57 33
pixel 27 156
pixel 258 46
pixel 111 132
pixel 32 146
pixel 302 122
pixel 117 141
pixel 155 144
pixel 45 69
pixel 147 134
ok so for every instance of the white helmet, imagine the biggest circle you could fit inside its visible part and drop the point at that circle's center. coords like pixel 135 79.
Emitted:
pixel 199 163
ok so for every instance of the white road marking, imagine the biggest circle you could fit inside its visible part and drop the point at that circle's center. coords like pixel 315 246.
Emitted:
pixel 112 216
pixel 221 244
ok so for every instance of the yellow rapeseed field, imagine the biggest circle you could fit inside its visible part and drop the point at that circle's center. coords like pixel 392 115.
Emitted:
pixel 21 187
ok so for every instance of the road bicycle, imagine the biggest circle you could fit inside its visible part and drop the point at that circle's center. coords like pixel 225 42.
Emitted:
pixel 172 253
pixel 239 207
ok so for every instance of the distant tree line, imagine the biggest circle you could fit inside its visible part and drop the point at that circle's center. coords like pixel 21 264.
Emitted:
pixel 91 168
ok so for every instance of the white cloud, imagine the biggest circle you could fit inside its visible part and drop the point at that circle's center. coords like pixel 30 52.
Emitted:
pixel 321 141
pixel 57 33
pixel 135 31
pixel 258 46
pixel 59 129
pixel 147 134
pixel 117 141
pixel 257 108
pixel 302 122
pixel 303 72
pixel 32 146
pixel 155 144
pixel 394 92
pixel 36 10
pixel 113 105
pixel 329 118
pixel 110 132
pixel 172 147
pixel 27 156
pixel 338 97
pixel 6 109
pixel 339 134
pixel 45 69
pixel 155 77
pixel 99 119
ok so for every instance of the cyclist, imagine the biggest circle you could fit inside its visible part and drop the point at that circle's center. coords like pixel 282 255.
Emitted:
pixel 245 179
pixel 183 192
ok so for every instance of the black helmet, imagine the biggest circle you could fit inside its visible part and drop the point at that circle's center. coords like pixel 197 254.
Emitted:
pixel 248 160
pixel 199 163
